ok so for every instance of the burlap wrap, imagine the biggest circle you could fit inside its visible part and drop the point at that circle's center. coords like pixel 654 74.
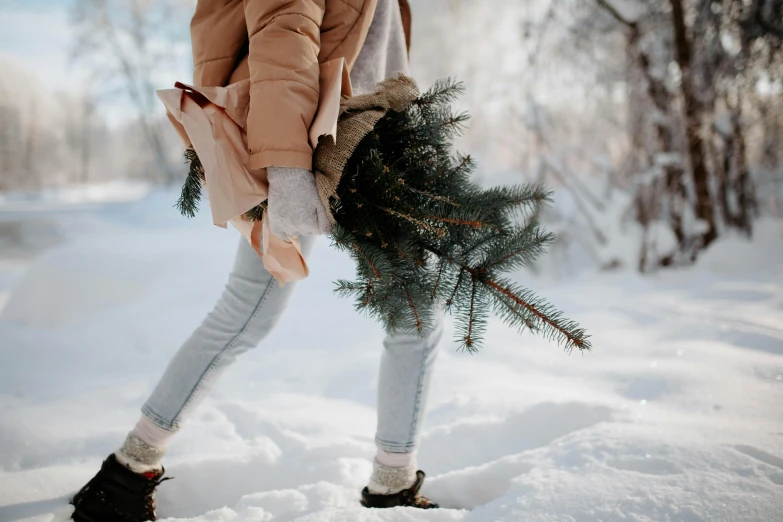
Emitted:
pixel 358 116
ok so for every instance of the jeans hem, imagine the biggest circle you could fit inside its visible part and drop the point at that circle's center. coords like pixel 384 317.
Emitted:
pixel 395 447
pixel 157 420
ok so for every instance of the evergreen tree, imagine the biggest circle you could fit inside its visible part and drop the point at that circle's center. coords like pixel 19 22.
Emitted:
pixel 423 235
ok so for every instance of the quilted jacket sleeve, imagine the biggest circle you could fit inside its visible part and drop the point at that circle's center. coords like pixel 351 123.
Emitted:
pixel 284 39
pixel 219 36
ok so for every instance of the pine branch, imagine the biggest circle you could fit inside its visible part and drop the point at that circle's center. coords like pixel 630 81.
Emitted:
pixel 464 165
pixel 472 223
pixel 413 309
pixel 368 291
pixel 257 212
pixel 511 314
pixel 433 197
pixel 410 219
pixel 468 339
pixel 565 332
pixel 454 124
pixel 369 262
pixel 450 300
pixel 188 201
pixel 443 91
pixel 436 286
pixel 520 250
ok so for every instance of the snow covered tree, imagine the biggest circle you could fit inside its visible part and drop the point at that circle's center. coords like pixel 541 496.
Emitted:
pixel 701 67
pixel 668 109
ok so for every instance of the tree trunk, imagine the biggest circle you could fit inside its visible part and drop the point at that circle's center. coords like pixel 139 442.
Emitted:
pixel 695 143
pixel 670 194
pixel 86 137
pixel 29 164
pixel 744 187
pixel 722 151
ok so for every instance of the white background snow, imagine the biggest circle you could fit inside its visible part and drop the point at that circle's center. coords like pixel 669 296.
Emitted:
pixel 675 416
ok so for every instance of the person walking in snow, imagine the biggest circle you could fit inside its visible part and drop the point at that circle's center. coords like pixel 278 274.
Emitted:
pixel 278 45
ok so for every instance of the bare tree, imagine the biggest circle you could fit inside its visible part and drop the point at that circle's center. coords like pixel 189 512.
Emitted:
pixel 126 43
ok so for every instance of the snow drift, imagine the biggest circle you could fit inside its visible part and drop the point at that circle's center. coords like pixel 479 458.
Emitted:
pixel 674 416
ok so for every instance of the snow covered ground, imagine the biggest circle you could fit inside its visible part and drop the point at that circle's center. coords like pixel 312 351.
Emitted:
pixel 675 416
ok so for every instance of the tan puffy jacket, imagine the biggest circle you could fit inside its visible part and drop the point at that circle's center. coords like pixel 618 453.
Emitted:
pixel 278 44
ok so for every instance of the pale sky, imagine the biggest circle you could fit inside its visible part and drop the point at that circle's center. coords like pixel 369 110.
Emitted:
pixel 38 36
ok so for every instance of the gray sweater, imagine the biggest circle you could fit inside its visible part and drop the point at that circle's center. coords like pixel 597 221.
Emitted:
pixel 384 52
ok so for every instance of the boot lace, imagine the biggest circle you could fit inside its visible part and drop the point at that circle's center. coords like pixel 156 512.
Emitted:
pixel 149 497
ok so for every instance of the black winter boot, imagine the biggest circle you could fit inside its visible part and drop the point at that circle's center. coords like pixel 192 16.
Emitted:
pixel 117 494
pixel 406 497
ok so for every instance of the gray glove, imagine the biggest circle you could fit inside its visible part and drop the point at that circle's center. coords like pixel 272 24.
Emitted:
pixel 294 205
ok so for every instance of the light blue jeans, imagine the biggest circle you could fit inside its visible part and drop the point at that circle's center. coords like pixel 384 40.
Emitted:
pixel 249 308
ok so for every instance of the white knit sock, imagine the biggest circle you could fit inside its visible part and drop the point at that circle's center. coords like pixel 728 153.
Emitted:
pixel 152 434
pixel 395 460
pixel 144 447
pixel 386 480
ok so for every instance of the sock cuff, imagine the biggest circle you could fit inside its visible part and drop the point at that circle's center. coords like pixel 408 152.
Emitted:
pixel 386 480
pixel 138 456
pixel 394 460
pixel 152 434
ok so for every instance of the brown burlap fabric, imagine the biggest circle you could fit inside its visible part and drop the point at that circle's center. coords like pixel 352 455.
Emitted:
pixel 358 116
